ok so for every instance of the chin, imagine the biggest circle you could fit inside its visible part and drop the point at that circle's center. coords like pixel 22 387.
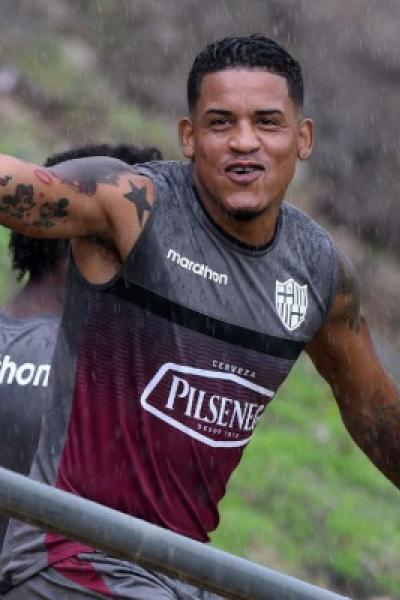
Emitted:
pixel 243 212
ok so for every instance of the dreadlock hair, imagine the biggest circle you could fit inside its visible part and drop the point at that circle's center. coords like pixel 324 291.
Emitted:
pixel 36 257
pixel 252 52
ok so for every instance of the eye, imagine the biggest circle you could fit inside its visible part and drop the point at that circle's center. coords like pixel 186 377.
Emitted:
pixel 267 122
pixel 220 122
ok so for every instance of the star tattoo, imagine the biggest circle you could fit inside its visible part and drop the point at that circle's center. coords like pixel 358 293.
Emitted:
pixel 138 197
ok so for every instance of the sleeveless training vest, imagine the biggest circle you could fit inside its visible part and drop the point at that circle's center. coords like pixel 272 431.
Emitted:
pixel 161 375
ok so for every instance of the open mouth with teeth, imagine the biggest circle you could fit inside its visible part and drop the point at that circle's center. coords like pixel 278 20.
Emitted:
pixel 243 169
pixel 242 173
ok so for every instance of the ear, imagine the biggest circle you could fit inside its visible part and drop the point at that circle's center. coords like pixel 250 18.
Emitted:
pixel 306 139
pixel 186 137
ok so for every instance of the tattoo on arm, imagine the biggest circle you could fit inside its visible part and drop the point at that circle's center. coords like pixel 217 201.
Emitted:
pixel 43 176
pixel 83 175
pixel 51 210
pixel 20 204
pixel 379 436
pixel 139 198
pixel 349 289
pixel 385 420
pixel 89 173
pixel 4 180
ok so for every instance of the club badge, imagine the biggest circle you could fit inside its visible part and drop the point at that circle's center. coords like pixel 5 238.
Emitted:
pixel 291 300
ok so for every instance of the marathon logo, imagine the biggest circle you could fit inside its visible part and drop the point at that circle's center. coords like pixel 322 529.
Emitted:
pixel 217 408
pixel 197 268
pixel 25 374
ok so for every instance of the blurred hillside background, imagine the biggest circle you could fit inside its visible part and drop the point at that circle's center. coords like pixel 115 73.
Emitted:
pixel 305 500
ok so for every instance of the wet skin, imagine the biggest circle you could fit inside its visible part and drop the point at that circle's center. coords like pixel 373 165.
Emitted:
pixel 244 138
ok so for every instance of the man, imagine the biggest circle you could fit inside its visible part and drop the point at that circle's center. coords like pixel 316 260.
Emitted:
pixel 29 325
pixel 204 258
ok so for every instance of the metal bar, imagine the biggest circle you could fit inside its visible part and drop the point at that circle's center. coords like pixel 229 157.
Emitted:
pixel 152 547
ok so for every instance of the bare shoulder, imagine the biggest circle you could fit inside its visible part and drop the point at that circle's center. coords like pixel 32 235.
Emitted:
pixel 110 179
pixel 127 200
pixel 86 174
pixel 346 306
pixel 345 331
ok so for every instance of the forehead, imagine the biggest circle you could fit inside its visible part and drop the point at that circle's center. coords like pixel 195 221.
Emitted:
pixel 238 89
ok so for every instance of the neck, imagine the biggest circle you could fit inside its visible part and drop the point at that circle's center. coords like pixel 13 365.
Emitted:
pixel 255 232
pixel 40 296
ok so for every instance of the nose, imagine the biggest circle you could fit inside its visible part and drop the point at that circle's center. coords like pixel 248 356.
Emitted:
pixel 244 139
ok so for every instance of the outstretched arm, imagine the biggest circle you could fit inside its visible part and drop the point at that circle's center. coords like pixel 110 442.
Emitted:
pixel 368 399
pixel 96 196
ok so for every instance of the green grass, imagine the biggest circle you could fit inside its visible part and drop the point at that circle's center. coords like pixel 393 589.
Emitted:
pixel 306 501
pixel 77 105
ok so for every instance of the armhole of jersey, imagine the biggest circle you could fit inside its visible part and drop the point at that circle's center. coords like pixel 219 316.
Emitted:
pixel 334 278
pixel 140 240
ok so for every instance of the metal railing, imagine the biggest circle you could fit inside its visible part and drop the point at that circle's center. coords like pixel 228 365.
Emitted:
pixel 150 546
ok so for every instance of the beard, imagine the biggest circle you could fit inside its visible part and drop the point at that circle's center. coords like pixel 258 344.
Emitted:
pixel 243 214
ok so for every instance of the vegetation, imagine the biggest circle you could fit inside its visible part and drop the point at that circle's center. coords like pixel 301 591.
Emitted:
pixel 59 99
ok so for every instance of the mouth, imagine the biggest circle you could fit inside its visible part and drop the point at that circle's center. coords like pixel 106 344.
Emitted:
pixel 244 172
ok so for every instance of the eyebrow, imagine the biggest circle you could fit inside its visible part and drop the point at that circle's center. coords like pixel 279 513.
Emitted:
pixel 269 111
pixel 218 111
pixel 266 111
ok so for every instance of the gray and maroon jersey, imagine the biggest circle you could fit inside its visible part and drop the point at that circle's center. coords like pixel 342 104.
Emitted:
pixel 161 375
pixel 26 349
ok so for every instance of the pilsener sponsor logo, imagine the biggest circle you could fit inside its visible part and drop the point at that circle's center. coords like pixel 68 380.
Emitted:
pixel 217 408
pixel 23 374
pixel 197 268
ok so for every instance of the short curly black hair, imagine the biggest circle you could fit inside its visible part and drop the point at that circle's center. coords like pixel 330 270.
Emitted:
pixel 35 257
pixel 253 52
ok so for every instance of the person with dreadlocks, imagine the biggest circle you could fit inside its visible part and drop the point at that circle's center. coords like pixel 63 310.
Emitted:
pixel 29 323
pixel 205 257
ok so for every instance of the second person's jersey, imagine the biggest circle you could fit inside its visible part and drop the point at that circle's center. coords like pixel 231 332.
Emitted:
pixel 26 350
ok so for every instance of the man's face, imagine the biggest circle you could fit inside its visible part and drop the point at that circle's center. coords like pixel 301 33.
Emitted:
pixel 244 138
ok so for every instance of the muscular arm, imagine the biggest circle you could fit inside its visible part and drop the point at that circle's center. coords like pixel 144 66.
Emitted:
pixel 367 398
pixel 91 197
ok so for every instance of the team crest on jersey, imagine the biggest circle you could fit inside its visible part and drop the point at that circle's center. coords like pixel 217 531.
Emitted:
pixel 291 300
